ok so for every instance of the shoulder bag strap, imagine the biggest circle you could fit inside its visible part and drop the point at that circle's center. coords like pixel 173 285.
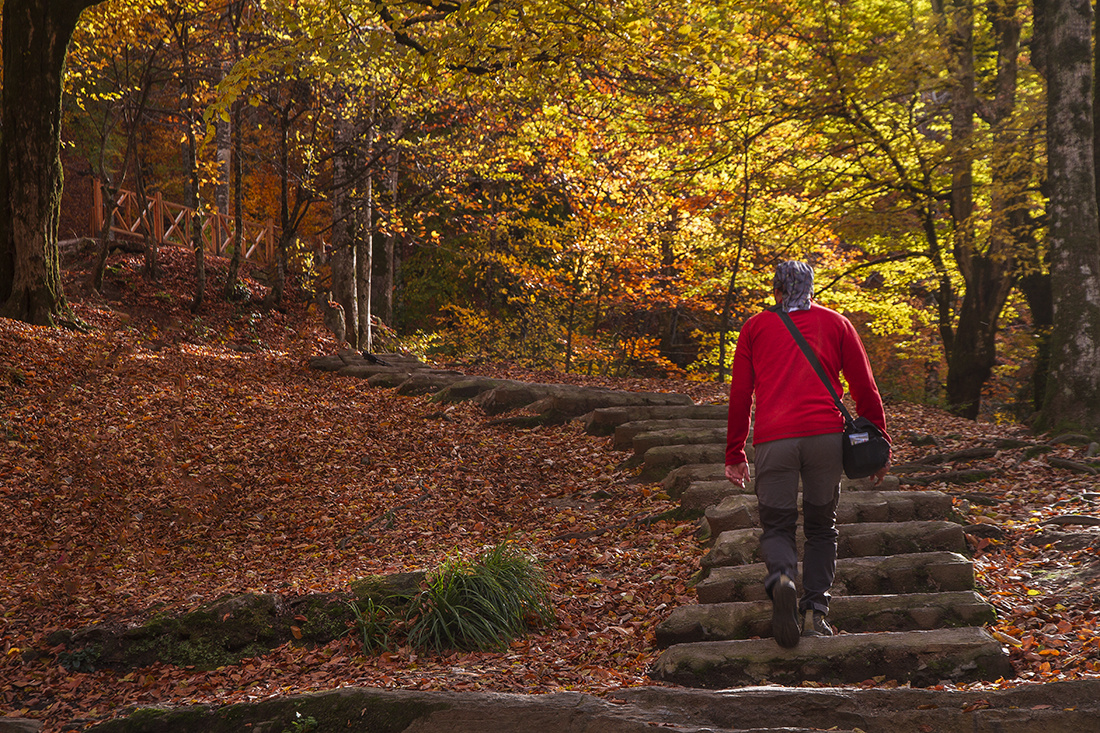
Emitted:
pixel 812 358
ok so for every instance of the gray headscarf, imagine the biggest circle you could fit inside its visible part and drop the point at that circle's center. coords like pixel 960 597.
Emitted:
pixel 795 280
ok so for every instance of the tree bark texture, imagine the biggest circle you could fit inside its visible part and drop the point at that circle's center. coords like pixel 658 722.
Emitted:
pixel 989 270
pixel 344 266
pixel 364 259
pixel 1073 387
pixel 237 169
pixel 35 39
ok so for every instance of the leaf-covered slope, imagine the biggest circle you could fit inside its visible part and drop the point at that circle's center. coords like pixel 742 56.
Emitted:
pixel 163 460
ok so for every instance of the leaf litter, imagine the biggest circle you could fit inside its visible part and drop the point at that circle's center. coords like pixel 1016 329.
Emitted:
pixel 162 460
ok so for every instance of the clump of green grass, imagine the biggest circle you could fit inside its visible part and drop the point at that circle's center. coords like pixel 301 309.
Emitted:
pixel 375 621
pixel 479 604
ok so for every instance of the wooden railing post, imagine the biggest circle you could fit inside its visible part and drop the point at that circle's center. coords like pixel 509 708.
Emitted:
pixel 269 250
pixel 97 206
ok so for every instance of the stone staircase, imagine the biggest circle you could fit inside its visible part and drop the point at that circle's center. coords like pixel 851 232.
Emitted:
pixel 904 598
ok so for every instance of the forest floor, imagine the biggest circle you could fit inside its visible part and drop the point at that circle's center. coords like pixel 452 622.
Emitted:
pixel 162 459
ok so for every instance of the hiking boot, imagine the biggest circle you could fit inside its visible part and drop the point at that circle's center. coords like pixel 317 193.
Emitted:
pixel 814 624
pixel 785 613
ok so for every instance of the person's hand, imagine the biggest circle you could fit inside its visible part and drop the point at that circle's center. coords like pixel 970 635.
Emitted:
pixel 738 473
pixel 879 475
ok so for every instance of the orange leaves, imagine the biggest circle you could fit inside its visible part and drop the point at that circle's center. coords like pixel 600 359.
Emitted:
pixel 269 477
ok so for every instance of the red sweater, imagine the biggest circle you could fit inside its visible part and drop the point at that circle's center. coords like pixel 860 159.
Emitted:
pixel 791 401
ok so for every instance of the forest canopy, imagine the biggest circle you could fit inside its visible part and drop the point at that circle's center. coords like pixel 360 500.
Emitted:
pixel 604 188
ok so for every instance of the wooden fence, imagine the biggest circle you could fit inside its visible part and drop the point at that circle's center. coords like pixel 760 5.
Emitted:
pixel 169 223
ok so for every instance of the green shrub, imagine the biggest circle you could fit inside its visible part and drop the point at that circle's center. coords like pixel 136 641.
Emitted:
pixel 482 604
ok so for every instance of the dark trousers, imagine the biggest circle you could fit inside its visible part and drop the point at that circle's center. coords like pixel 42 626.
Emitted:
pixel 780 464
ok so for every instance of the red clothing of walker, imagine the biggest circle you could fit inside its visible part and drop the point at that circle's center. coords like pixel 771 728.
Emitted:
pixel 791 401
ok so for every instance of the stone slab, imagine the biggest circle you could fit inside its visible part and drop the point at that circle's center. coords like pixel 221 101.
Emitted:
pixel 921 658
pixel 920 572
pixel 662 459
pixel 1059 707
pixel 852 614
pixel 702 495
pixel 574 402
pixel 467 389
pixel 625 433
pixel 428 381
pixel 738 511
pixel 604 420
pixel 679 436
pixel 679 479
pixel 742 546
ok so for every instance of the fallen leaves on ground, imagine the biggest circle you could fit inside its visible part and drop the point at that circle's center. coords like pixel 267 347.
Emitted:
pixel 164 459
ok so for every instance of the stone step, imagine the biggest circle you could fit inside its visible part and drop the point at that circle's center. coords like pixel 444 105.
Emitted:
pixel 679 479
pixel 467 389
pixel 604 420
pixel 567 399
pixel 625 433
pixel 662 459
pixel 680 436
pixel 1057 707
pixel 852 614
pixel 921 572
pixel 889 483
pixel 348 357
pixel 921 658
pixel 576 402
pixel 742 546
pixel 702 495
pixel 740 511
pixel 426 381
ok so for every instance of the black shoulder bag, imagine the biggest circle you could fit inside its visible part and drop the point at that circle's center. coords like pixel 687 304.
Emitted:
pixel 866 449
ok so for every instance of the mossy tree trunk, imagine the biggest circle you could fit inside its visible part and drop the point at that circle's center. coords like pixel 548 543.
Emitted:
pixel 36 36
pixel 1073 386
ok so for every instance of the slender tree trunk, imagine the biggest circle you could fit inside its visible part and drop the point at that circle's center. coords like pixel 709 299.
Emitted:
pixel 223 141
pixel 109 193
pixel 364 259
pixel 35 38
pixel 1040 301
pixel 670 315
pixel 731 289
pixel 148 232
pixel 1073 388
pixel 238 204
pixel 571 317
pixel 181 29
pixel 344 265
pixel 389 283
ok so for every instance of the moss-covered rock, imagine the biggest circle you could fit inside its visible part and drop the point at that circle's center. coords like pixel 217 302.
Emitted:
pixel 340 710
pixel 230 628
pixel 219 633
pixel 395 589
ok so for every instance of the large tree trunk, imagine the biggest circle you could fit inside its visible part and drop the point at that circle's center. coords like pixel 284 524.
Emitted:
pixel 988 269
pixel 1073 387
pixel 35 38
pixel 974 352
